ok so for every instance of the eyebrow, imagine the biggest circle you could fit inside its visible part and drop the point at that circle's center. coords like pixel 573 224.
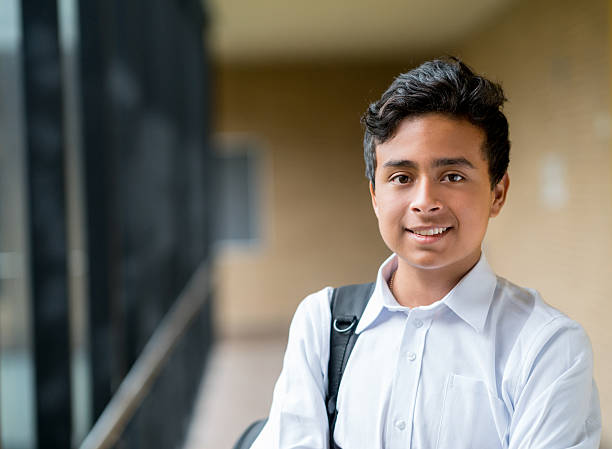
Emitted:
pixel 396 163
pixel 452 161
pixel 444 162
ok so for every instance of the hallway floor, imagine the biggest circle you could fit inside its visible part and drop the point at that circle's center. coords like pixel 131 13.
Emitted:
pixel 236 390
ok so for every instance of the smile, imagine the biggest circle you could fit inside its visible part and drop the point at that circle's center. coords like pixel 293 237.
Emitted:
pixel 429 231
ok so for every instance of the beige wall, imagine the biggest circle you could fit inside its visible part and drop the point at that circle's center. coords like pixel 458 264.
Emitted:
pixel 553 58
pixel 318 227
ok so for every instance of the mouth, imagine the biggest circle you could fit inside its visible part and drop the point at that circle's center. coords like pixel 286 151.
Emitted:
pixel 428 231
pixel 428 234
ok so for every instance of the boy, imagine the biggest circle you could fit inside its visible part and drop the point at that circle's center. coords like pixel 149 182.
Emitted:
pixel 448 354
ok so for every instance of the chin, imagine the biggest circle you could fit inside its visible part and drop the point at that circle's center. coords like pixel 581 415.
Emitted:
pixel 436 262
pixel 429 266
pixel 425 263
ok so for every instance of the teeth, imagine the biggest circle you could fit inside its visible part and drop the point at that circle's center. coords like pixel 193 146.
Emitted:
pixel 433 231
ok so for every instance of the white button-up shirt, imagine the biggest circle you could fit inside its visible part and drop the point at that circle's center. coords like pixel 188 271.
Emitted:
pixel 488 366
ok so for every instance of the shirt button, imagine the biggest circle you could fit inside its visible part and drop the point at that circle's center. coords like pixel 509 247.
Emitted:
pixel 417 323
pixel 400 424
pixel 411 356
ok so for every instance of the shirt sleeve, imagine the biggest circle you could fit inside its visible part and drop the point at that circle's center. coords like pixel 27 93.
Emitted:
pixel 298 417
pixel 556 400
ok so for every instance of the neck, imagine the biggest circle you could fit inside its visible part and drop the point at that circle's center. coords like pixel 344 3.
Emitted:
pixel 416 286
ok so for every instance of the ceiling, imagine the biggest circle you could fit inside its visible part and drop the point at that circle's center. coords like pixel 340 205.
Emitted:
pixel 243 30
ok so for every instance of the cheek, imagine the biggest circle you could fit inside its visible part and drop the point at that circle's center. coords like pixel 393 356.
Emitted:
pixel 472 216
pixel 391 211
pixel 476 219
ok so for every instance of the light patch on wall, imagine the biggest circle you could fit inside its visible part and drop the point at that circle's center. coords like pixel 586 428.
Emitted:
pixel 601 127
pixel 553 181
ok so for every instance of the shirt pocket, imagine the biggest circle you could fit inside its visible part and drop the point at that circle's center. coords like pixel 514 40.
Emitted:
pixel 472 416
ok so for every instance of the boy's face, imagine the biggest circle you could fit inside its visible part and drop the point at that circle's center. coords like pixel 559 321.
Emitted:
pixel 433 195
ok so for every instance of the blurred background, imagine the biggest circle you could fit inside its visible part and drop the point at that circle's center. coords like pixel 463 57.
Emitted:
pixel 176 175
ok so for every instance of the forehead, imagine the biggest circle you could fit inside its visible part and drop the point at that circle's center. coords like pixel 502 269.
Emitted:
pixel 428 137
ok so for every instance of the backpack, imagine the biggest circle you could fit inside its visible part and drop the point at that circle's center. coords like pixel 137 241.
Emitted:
pixel 347 306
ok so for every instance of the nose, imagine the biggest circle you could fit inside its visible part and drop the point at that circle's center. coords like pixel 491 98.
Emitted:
pixel 425 199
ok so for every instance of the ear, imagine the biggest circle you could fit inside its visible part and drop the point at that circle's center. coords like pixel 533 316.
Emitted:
pixel 498 194
pixel 373 196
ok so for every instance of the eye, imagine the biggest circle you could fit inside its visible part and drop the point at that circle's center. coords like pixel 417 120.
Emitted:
pixel 400 179
pixel 453 177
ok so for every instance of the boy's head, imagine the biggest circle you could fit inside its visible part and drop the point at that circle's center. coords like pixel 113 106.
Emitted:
pixel 444 86
pixel 436 147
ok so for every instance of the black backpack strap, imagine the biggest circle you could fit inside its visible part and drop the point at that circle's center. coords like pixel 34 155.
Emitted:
pixel 347 306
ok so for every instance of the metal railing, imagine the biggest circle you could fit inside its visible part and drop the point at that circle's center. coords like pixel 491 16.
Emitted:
pixel 136 384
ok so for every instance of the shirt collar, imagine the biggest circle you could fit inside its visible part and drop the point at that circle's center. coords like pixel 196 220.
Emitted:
pixel 469 299
pixel 381 292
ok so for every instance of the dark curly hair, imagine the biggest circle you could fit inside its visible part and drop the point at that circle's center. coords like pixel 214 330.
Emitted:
pixel 446 86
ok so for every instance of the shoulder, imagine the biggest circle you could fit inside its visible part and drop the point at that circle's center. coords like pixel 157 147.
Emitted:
pixel 311 322
pixel 545 339
pixel 308 344
pixel 314 308
pixel 537 319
